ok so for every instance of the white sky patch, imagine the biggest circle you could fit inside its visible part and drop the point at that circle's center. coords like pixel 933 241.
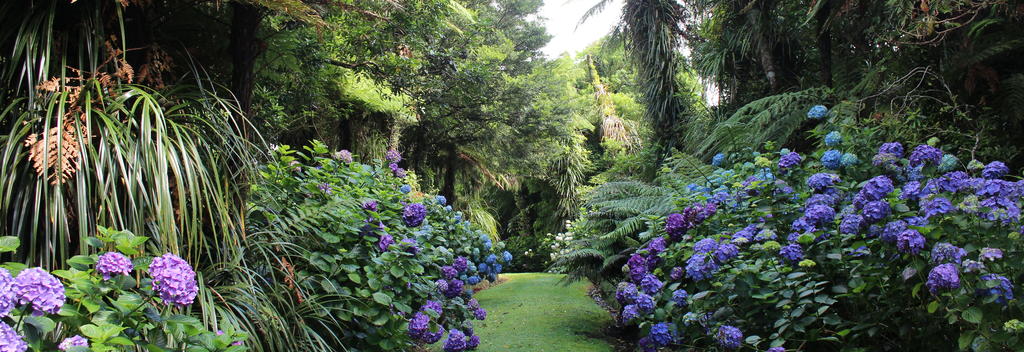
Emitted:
pixel 563 16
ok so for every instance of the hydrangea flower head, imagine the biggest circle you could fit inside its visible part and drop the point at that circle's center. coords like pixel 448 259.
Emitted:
pixel 480 314
pixel 472 342
pixel 405 188
pixel 1003 291
pixel 645 303
pixel 418 325
pixel 994 170
pixel 432 305
pixel 947 253
pixel 629 312
pixel 822 181
pixel 876 188
pixel 650 284
pixel 10 341
pixel 37 287
pixel 8 293
pixel 792 253
pixel 460 264
pixel 990 254
pixel 397 171
pixel 849 159
pixel 832 159
pixel 790 160
pixel 385 242
pixel 448 272
pixel 949 163
pixel 875 211
pixel 676 273
pixel 441 199
pixel 936 206
pixel 454 288
pixel 679 297
pixel 726 251
pixel 851 224
pixel 925 154
pixel 661 334
pixel 910 241
pixel 456 341
pixel 892 148
pixel 393 156
pixel 777 349
pixel 174 280
pixel 718 159
pixel 370 205
pixel 819 214
pixel 833 138
pixel 413 214
pixel 700 266
pixel 343 155
pixel 729 337
pixel 74 341
pixel 706 245
pixel 111 263
pixel 817 112
pixel 973 266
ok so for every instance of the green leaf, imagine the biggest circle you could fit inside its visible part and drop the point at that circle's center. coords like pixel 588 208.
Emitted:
pixel 972 315
pixel 9 244
pixel 43 324
pixel 382 298
pixel 965 339
pixel 355 278
pixel 932 307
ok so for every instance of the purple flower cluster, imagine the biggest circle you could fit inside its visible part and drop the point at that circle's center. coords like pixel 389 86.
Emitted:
pixel 990 254
pixel 344 156
pixel 626 293
pixel 851 224
pixel 370 205
pixel 174 280
pixel 792 253
pixel 480 314
pixel 8 294
pixel 947 253
pixel 875 211
pixel 453 288
pixel 679 297
pixel 729 337
pixel 677 224
pixel 895 149
pixel 111 263
pixel 37 287
pixel 661 334
pixel 73 341
pixel 910 241
pixel 925 154
pixel 397 171
pixel 1003 291
pixel 700 266
pixel 650 284
pixel 385 242
pixel 413 214
pixel 461 264
pixel 676 273
pixel 10 341
pixel 822 181
pixel 819 214
pixel 448 272
pixel 792 159
pixel 393 156
pixel 936 206
pixel 432 305
pixel 994 170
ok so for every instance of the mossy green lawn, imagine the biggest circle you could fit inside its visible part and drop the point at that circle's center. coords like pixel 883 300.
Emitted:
pixel 534 312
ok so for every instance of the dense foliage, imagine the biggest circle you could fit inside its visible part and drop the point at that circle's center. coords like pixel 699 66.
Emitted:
pixel 779 249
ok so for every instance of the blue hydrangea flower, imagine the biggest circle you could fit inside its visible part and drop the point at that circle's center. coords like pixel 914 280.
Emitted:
pixel 650 284
pixel 895 149
pixel 413 214
pixel 925 154
pixel 832 159
pixel 936 206
pixel 1003 292
pixel 507 257
pixel 629 312
pixel 789 160
pixel 851 224
pixel 454 288
pixel 661 334
pixel 849 159
pixel 817 112
pixel 833 138
pixel 990 254
pixel 174 280
pixel 37 287
pixel 718 159
pixel 496 268
pixel 706 245
pixel 8 293
pixel 441 199
pixel 947 253
pixel 729 337
pixel 73 341
pixel 876 188
pixel 491 259
pixel 626 293
pixel 819 214
pixel 876 211
pixel 679 297
pixel 948 163
pixel 473 280
pixel 10 341
pixel 911 191
pixel 700 266
pixel 645 303
pixel 994 170
pixel 943 277
pixel 822 181
pixel 726 251
pixel 405 188
pixel 910 241
pixel 483 268
pixel 792 253
pixel 418 325
pixel 456 341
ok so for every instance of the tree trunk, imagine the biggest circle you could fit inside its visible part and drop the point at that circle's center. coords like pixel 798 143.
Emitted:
pixel 244 48
pixel 764 48
pixel 449 176
pixel 825 43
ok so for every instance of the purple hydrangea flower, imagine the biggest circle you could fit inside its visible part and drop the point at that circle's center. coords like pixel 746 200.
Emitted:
pixel 10 341
pixel 876 211
pixel 893 229
pixel 893 148
pixel 910 241
pixel 994 170
pixel 656 246
pixel 706 245
pixel 990 254
pixel 947 253
pixel 111 263
pixel 8 293
pixel 174 280
pixel 456 341
pixel 626 293
pixel 370 205
pixel 950 182
pixel 680 297
pixel 431 338
pixel 925 154
pixel 343 155
pixel 792 253
pixel 629 312
pixel 473 303
pixel 936 206
pixel 943 277
pixel 385 242
pixel 911 190
pixel 418 325
pixel 413 214
pixel 661 334
pixel 973 266
pixel 397 171
pixel 876 188
pixel 675 225
pixel 472 342
pixel 726 251
pixel 822 181
pixel 645 303
pixel 677 273
pixel 461 264
pixel 790 160
pixel 637 267
pixel 37 287
pixel 851 224
pixel 74 341
pixel 832 159
pixel 700 266
pixel 393 156
pixel 411 246
pixel 432 305
pixel 442 286
pixel 729 337
pixel 480 314
pixel 650 284
pixel 448 272
pixel 1003 292
pixel 454 288
pixel 777 349
pixel 819 214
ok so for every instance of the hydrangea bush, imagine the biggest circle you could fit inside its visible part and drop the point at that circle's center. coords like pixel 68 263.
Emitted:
pixel 107 302
pixel 910 251
pixel 399 265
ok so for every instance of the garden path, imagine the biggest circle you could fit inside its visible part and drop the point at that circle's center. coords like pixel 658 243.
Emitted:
pixel 534 312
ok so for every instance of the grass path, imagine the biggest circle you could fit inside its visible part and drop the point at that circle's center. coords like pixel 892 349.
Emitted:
pixel 533 312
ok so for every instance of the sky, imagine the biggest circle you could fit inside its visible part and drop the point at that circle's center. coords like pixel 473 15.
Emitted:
pixel 563 16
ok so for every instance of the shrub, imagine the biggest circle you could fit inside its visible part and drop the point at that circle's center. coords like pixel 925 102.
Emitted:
pixel 368 262
pixel 107 302
pixel 905 252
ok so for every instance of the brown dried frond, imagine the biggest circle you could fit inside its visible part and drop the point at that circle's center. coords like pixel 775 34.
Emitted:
pixel 56 153
pixel 50 85
pixel 289 279
pixel 152 71
pixel 124 71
